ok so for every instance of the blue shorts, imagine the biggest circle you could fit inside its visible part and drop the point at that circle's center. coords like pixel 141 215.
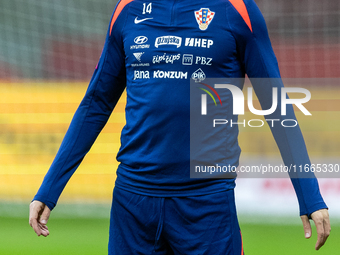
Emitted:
pixel 174 225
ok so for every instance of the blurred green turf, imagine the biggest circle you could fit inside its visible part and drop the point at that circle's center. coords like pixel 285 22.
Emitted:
pixel 67 236
pixel 90 236
pixel 263 239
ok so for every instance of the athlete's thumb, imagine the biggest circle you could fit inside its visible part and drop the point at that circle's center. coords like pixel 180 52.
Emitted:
pixel 45 215
pixel 306 226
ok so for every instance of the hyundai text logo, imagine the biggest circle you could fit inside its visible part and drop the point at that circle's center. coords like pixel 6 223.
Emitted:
pixel 141 39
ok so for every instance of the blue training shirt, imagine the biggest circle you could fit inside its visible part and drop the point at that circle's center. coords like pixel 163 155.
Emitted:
pixel 152 49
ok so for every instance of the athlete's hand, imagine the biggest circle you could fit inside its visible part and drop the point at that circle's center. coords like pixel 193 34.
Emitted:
pixel 322 224
pixel 39 214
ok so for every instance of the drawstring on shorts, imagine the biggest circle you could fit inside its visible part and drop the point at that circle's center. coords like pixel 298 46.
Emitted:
pixel 160 223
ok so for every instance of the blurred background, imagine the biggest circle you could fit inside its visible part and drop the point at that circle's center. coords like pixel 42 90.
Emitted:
pixel 48 52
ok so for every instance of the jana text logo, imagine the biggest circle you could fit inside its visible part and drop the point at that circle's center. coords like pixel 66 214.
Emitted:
pixel 204 17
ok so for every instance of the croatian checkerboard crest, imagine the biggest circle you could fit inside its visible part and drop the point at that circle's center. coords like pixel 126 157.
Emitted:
pixel 204 17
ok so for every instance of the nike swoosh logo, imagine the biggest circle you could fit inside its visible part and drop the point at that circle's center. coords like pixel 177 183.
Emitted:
pixel 140 20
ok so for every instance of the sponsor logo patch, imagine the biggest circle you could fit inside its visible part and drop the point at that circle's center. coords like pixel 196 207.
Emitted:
pixel 203 61
pixel 168 40
pixel 138 56
pixel 198 42
pixel 138 75
pixel 187 59
pixel 140 43
pixel 140 39
pixel 165 58
pixel 170 74
pixel 198 75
